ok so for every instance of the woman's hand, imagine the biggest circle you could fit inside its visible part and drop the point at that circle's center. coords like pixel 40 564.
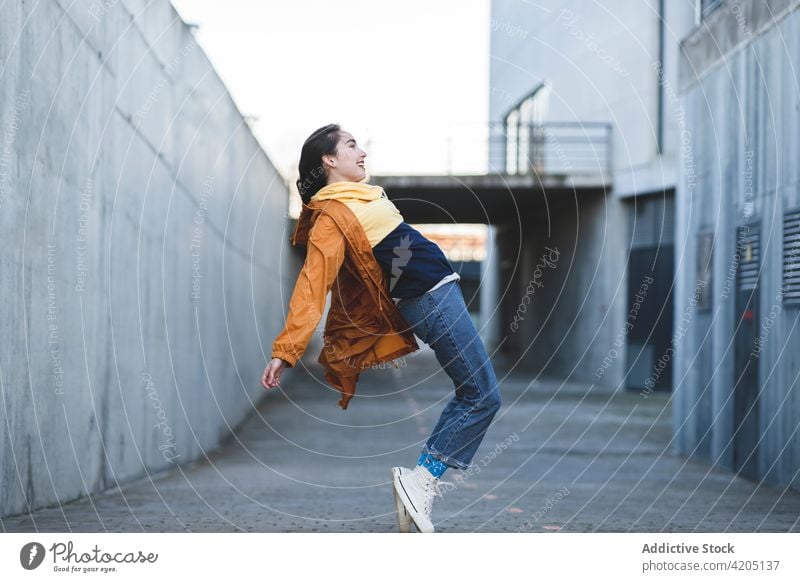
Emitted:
pixel 272 373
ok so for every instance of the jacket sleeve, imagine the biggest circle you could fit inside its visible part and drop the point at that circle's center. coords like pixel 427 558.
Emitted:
pixel 324 257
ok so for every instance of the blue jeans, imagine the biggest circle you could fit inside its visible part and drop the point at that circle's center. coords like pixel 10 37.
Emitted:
pixel 441 320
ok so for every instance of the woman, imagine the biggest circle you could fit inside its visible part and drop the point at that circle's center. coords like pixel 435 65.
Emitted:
pixel 342 217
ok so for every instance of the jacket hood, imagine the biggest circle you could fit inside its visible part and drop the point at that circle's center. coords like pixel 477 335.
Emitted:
pixel 346 191
pixel 341 191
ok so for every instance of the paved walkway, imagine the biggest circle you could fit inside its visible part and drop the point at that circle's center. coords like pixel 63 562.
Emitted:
pixel 557 458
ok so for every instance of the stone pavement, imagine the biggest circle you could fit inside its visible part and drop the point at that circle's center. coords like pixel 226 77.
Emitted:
pixel 557 458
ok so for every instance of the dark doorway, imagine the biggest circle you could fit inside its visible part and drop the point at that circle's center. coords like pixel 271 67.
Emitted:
pixel 651 270
pixel 650 276
pixel 747 349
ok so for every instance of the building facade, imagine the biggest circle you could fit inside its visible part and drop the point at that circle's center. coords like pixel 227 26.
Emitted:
pixel 589 88
pixel 737 297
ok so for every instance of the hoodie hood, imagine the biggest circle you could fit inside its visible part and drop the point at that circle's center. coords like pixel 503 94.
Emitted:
pixel 346 191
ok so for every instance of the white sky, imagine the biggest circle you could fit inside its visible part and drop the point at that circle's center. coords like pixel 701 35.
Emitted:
pixel 401 77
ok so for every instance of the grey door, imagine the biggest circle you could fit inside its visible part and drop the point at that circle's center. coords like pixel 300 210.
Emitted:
pixel 746 388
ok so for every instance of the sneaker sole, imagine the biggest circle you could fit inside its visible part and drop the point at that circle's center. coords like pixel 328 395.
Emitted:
pixel 424 525
pixel 404 520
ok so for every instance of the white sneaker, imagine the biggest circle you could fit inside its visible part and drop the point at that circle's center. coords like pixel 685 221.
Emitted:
pixel 416 489
pixel 403 518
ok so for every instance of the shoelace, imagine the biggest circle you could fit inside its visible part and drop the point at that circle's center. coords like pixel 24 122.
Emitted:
pixel 433 489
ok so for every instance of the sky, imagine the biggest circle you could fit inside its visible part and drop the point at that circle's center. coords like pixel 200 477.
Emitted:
pixel 409 80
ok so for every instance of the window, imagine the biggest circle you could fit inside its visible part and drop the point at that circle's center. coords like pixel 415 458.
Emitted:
pixel 704 7
pixel 522 126
pixel 512 138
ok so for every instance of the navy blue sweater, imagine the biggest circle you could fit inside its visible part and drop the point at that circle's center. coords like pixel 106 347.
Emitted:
pixel 412 263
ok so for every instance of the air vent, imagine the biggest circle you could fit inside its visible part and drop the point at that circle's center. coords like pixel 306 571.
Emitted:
pixel 704 269
pixel 749 246
pixel 791 257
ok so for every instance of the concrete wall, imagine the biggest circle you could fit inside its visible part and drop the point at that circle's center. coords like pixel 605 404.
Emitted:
pixel 144 234
pixel 742 108
pixel 562 290
pixel 600 60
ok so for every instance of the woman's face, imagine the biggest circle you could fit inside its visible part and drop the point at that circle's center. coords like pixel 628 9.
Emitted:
pixel 348 163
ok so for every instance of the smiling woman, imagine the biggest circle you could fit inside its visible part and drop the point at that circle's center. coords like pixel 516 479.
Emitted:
pixel 351 164
pixel 404 287
pixel 329 155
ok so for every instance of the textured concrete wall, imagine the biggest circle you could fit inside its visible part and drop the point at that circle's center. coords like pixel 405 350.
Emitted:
pixel 595 56
pixel 739 169
pixel 564 289
pixel 600 60
pixel 145 261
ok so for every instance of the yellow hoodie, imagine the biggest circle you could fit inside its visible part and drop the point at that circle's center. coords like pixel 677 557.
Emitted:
pixel 373 209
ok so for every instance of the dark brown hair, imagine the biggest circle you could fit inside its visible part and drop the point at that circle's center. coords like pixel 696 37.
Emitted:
pixel 312 173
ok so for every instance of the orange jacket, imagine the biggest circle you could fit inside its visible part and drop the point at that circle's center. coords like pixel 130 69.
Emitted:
pixel 363 327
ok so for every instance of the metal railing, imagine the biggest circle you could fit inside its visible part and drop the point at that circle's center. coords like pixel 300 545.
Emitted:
pixel 555 147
